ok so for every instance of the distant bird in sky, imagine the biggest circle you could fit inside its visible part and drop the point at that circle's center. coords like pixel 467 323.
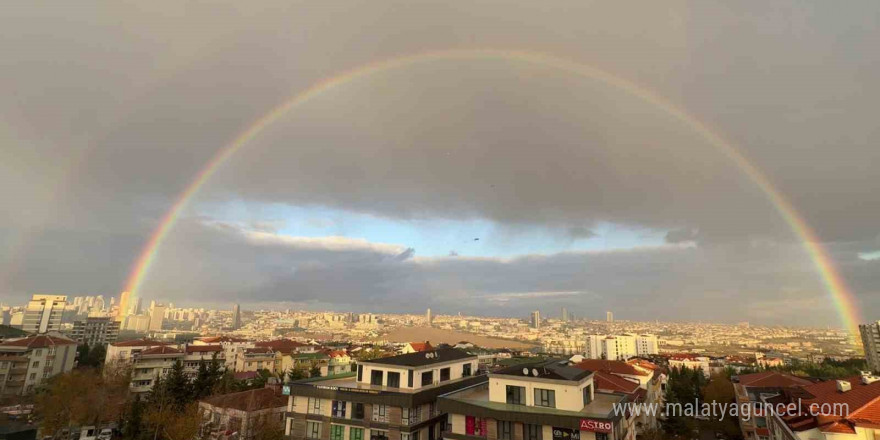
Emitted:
pixel 476 239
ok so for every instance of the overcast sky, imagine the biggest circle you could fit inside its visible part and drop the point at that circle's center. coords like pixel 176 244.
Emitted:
pixel 372 195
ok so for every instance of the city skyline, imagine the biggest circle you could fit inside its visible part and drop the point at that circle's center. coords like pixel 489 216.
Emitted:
pixel 508 169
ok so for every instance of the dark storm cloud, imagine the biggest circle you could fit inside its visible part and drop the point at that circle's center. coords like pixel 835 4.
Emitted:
pixel 111 110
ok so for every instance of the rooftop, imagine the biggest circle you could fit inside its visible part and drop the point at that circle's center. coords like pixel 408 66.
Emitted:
pixel 602 405
pixel 553 369
pixel 423 358
pixel 251 400
pixel 37 341
pixel 613 367
pixel 772 379
pixel 139 343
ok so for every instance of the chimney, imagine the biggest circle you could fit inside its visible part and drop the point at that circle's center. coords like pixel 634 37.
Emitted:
pixel 843 386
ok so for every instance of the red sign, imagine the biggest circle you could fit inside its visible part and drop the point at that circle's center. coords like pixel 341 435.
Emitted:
pixel 595 425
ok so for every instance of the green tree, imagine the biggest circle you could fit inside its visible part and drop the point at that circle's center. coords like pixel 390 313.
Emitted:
pixel 315 371
pixel 296 373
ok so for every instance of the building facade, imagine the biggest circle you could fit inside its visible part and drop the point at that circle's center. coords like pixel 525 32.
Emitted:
pixel 393 398
pixel 44 313
pixel 546 400
pixel 871 342
pixel 749 389
pixel 25 363
pixel 95 331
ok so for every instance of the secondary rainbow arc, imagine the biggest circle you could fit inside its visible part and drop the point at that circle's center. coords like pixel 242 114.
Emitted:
pixel 843 299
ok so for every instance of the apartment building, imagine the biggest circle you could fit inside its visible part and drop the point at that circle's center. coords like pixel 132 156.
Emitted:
pixel 545 400
pixel 124 352
pixel 44 313
pixel 151 364
pixel 233 348
pixel 846 409
pixel 749 388
pixel 95 331
pixel 870 334
pixel 256 359
pixel 691 362
pixel 392 398
pixel 620 347
pixel 25 363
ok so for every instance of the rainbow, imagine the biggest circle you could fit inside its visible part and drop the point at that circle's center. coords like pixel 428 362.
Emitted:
pixel 843 299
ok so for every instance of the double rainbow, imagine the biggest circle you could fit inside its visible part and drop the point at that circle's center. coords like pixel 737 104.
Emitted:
pixel 843 299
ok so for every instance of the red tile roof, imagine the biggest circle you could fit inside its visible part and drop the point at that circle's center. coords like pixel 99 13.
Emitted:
pixel 203 348
pixel 837 428
pixel 421 346
pixel 772 379
pixel 242 375
pixel 608 382
pixel 251 400
pixel 259 350
pixel 861 399
pixel 38 341
pixel 282 345
pixel 615 367
pixel 162 349
pixel 139 343
pixel 338 353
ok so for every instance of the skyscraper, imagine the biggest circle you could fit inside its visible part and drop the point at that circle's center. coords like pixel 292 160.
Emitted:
pixel 429 318
pixel 236 317
pixel 535 319
pixel 157 317
pixel 122 311
pixel 43 313
pixel 136 309
pixel 564 314
pixel 871 342
pixel 609 316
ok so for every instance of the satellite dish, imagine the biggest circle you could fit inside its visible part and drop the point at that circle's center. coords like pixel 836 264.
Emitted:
pixel 535 372
pixel 525 371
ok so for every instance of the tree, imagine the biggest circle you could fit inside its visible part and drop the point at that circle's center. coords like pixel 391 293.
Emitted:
pixel 315 371
pixel 81 397
pixel 720 389
pixel 296 373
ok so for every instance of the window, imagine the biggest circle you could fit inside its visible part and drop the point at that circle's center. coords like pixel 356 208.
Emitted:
pixel 337 432
pixel 339 409
pixel 475 426
pixel 394 379
pixel 505 430
pixel 38 352
pixel 427 378
pixel 380 413
pixel 360 373
pixel 466 370
pixel 588 394
pixel 357 411
pixel 313 429
pixel 444 374
pixel 601 436
pixel 533 432
pixel 409 378
pixel 35 364
pixel 516 395
pixel 375 434
pixel 314 405
pixel 376 377
pixel 410 416
pixel 356 433
pixel 33 376
pixel 545 398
